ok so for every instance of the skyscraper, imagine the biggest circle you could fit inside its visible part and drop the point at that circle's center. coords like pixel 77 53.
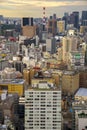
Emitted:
pixel 28 29
pixel 84 18
pixel 51 45
pixel 76 19
pixel 27 21
pixel 52 26
pixel 69 44
pixel 66 19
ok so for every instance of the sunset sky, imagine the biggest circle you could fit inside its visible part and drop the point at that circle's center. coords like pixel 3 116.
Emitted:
pixel 21 8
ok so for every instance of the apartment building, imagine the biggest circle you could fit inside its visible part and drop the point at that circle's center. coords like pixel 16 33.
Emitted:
pixel 43 107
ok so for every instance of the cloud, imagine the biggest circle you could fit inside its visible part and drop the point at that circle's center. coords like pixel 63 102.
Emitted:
pixel 34 7
pixel 41 3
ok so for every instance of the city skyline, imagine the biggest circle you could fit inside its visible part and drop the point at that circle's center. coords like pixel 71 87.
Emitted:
pixel 34 8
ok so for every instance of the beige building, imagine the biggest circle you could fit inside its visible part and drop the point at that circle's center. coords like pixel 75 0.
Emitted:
pixel 29 31
pixel 70 82
pixel 69 44
pixel 83 29
pixel 28 74
pixel 61 26
pixel 57 75
pixel 60 54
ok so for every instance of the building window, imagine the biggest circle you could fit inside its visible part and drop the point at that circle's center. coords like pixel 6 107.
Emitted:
pixel 30 127
pixel 42 95
pixel 42 111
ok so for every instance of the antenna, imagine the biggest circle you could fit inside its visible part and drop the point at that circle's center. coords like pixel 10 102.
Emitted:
pixel 44 18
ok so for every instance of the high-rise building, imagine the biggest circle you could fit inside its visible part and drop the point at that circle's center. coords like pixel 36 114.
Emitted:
pixel 61 26
pixel 51 45
pixel 29 31
pixel 84 17
pixel 28 28
pixel 74 19
pixel 52 26
pixel 66 19
pixel 69 44
pixel 43 105
pixel 27 21
pixel 42 109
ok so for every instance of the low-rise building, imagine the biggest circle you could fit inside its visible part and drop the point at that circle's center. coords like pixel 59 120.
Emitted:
pixel 80 110
pixel 13 86
pixel 76 60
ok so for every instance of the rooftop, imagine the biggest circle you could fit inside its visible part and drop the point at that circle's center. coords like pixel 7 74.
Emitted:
pixel 44 89
pixel 68 72
pixel 81 92
pixel 12 81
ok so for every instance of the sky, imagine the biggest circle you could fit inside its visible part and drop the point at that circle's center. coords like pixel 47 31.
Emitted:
pixel 34 8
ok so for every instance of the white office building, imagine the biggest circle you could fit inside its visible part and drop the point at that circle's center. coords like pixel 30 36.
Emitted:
pixel 43 109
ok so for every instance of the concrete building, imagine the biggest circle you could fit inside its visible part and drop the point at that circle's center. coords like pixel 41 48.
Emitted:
pixel 12 47
pixel 82 29
pixel 28 74
pixel 28 28
pixel 61 26
pixel 83 79
pixel 70 82
pixel 69 44
pixel 80 110
pixel 51 45
pixel 84 16
pixel 57 75
pixel 74 19
pixel 52 26
pixel 13 86
pixel 27 21
pixel 29 31
pixel 60 54
pixel 42 105
pixel 76 60
pixel 84 23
